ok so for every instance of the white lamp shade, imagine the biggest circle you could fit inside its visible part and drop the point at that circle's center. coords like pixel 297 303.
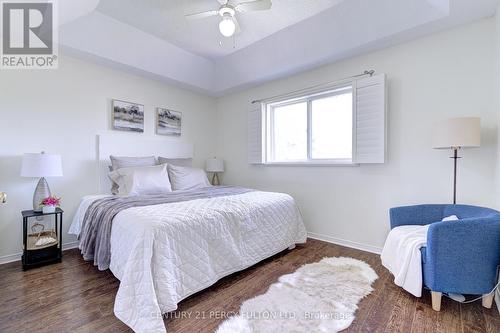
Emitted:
pixel 458 133
pixel 215 165
pixel 41 165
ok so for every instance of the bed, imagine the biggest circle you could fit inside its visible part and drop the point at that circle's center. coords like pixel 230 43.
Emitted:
pixel 166 252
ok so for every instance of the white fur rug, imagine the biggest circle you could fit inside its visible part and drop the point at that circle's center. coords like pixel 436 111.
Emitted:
pixel 318 297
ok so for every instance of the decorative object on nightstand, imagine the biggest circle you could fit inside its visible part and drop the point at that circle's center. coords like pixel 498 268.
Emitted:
pixel 50 204
pixel 215 165
pixel 40 246
pixel 455 134
pixel 41 165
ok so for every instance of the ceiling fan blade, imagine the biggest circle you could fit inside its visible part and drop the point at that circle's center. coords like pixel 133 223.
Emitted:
pixel 253 5
pixel 201 15
pixel 238 28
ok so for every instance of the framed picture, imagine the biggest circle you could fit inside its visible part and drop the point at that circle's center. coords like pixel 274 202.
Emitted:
pixel 168 122
pixel 128 116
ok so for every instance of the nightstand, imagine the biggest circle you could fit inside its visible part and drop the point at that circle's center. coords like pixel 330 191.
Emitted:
pixel 35 255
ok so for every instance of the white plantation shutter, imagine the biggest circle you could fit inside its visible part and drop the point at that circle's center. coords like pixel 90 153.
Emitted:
pixel 370 120
pixel 255 133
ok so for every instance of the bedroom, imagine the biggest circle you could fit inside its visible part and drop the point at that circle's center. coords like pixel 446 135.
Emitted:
pixel 435 61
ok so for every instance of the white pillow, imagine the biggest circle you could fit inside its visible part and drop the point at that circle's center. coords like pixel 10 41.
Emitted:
pixel 118 162
pixel 186 178
pixel 142 180
pixel 450 218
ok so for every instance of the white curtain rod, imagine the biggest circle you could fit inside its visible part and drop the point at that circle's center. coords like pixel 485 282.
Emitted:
pixel 367 72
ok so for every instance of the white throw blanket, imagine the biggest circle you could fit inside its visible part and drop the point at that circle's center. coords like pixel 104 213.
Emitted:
pixel 401 256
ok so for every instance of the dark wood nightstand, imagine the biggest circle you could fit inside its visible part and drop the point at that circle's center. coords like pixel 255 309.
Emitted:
pixel 39 255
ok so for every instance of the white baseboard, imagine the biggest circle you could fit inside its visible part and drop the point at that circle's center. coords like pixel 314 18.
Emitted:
pixel 17 257
pixel 10 258
pixel 344 242
pixel 70 245
pixel 325 238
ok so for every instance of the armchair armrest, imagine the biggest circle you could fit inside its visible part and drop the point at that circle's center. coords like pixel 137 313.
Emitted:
pixel 415 215
pixel 463 256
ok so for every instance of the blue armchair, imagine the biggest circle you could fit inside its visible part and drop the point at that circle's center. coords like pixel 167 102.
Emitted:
pixel 461 256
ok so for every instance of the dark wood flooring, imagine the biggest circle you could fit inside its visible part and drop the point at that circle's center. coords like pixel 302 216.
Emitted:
pixel 74 296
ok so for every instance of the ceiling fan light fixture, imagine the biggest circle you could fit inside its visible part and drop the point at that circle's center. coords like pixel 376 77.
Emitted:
pixel 227 27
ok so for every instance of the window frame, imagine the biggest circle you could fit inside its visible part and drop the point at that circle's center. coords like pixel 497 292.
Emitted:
pixel 308 98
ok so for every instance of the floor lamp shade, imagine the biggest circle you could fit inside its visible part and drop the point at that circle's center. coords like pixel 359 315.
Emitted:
pixel 458 133
pixel 455 134
pixel 40 166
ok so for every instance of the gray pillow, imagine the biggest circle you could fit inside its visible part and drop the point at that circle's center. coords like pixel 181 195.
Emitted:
pixel 119 162
pixel 183 162
pixel 186 178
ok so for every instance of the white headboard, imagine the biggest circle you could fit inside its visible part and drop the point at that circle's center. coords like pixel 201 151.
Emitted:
pixel 133 144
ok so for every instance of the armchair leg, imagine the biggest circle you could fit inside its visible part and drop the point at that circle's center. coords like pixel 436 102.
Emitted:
pixel 488 300
pixel 436 300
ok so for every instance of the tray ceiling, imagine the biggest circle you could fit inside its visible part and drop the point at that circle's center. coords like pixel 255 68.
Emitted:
pixel 152 37
pixel 165 19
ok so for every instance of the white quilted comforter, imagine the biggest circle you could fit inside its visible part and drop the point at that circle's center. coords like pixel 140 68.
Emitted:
pixel 162 254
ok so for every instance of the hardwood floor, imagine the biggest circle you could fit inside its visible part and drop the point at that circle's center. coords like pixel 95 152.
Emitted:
pixel 73 296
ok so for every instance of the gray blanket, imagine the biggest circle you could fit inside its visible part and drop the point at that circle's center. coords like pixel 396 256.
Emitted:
pixel 96 229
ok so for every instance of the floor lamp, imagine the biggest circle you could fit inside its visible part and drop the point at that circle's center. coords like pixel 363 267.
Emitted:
pixel 455 134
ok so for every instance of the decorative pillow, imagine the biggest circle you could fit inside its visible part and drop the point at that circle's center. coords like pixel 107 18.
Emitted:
pixel 119 162
pixel 185 178
pixel 450 218
pixel 183 162
pixel 142 180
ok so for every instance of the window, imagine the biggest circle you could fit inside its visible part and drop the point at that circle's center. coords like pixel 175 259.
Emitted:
pixel 342 124
pixel 311 129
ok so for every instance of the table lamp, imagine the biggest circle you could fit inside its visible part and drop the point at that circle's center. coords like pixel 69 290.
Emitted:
pixel 455 134
pixel 215 165
pixel 41 165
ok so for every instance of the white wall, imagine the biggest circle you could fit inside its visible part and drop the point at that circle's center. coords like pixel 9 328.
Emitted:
pixel 443 75
pixel 61 111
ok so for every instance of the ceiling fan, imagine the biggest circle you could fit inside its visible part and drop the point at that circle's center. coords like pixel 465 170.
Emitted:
pixel 228 24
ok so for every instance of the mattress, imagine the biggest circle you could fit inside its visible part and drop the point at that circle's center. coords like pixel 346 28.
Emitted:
pixel 163 253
